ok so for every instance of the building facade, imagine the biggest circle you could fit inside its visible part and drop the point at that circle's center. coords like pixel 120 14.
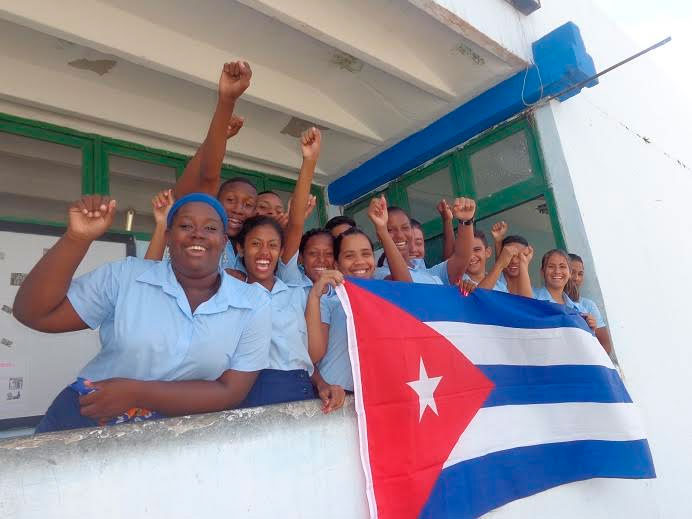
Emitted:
pixel 419 100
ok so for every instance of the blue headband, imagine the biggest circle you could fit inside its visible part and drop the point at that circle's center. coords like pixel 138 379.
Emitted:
pixel 198 197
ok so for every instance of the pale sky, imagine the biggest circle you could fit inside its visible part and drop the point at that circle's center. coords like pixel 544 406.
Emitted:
pixel 648 21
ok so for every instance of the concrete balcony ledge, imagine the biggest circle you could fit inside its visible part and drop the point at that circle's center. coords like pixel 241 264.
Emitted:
pixel 288 460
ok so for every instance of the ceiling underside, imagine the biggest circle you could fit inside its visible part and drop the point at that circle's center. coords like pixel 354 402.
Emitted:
pixel 369 72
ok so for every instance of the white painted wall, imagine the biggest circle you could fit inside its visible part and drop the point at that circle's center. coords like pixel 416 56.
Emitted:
pixel 287 461
pixel 632 197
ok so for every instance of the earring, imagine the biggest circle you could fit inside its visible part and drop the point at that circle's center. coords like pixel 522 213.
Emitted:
pixel 166 254
pixel 224 258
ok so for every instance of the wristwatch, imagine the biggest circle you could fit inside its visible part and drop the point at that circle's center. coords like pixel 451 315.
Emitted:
pixel 466 222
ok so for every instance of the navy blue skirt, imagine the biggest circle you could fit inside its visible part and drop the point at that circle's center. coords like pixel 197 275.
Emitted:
pixel 274 386
pixel 63 414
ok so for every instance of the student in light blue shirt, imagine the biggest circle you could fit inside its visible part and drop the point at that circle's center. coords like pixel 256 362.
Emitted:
pixel 450 270
pixel 315 255
pixel 326 320
pixel 555 269
pixel 177 337
pixel 577 268
pixel 510 273
pixel 287 376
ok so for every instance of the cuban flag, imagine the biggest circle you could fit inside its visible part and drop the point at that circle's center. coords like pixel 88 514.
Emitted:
pixel 467 403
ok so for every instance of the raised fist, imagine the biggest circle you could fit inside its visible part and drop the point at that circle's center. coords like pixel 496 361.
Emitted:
pixel 508 252
pixel 310 143
pixel 90 216
pixel 499 231
pixel 444 210
pixel 464 208
pixel 526 255
pixel 162 203
pixel 234 126
pixel 235 78
pixel 377 212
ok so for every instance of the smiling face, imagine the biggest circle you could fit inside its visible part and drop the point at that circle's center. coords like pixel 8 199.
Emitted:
pixel 356 257
pixel 239 200
pixel 556 271
pixel 318 256
pixel 479 256
pixel 399 228
pixel 417 248
pixel 269 204
pixel 261 249
pixel 196 240
pixel 577 272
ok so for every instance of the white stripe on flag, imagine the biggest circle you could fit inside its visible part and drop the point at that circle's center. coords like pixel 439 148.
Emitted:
pixel 506 427
pixel 490 344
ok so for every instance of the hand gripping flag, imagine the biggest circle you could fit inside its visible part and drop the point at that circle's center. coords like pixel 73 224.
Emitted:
pixel 467 403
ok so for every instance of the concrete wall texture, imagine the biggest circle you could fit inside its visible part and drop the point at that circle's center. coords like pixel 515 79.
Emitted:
pixel 287 461
pixel 619 159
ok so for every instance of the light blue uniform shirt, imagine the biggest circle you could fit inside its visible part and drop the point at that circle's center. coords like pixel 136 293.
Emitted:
pixel 293 274
pixel 233 261
pixel 148 331
pixel 542 294
pixel 335 366
pixel 436 275
pixel 500 284
pixel 289 334
pixel 591 308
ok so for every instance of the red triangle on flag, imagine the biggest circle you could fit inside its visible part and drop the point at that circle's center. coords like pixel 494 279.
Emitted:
pixel 400 359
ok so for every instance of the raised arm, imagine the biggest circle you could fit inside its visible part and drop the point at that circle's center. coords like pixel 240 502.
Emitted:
pixel 499 231
pixel 525 257
pixel 310 144
pixel 190 180
pixel 378 214
pixel 235 78
pixel 161 203
pixel 41 302
pixel 447 228
pixel 463 210
pixel 501 263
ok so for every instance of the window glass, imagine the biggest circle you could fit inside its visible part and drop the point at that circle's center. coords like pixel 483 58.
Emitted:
pixel 38 179
pixel 133 183
pixel 433 250
pixel 424 195
pixel 530 220
pixel 501 165
pixel 364 223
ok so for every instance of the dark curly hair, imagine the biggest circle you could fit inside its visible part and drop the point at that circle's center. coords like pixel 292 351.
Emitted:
pixel 258 221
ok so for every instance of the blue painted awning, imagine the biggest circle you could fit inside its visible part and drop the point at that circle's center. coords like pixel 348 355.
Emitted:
pixel 560 61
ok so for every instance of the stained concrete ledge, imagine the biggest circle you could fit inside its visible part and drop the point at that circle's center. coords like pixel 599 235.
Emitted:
pixel 274 461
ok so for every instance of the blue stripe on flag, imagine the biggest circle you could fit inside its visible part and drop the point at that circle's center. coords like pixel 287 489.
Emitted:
pixel 445 303
pixel 518 385
pixel 473 487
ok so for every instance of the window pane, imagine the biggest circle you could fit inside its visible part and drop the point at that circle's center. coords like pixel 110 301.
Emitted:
pixel 433 250
pixel 530 220
pixel 424 195
pixel 133 183
pixel 38 179
pixel 501 165
pixel 364 223
pixel 313 220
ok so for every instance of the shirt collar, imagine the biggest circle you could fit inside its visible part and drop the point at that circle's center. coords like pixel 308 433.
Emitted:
pixel 279 286
pixel 231 292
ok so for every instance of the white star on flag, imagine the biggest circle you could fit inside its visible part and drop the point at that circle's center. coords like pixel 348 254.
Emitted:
pixel 425 387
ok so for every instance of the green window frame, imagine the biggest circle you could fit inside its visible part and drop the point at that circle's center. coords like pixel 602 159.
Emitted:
pixel 97 149
pixel 462 181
